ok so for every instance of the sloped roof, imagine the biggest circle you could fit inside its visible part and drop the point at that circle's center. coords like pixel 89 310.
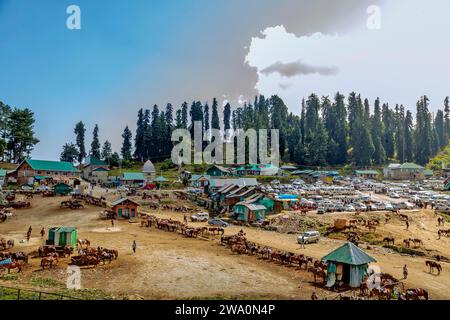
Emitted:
pixel 411 166
pixel 115 203
pixel 101 169
pixel 133 176
pixel 366 172
pixel 45 165
pixel 2 172
pixel 252 207
pixel 161 179
pixel 240 182
pixel 148 167
pixel 349 254
pixel 94 161
pixel 220 168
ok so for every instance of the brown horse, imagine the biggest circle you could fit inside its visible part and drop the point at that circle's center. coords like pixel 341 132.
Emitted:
pixel 13 265
pixel 433 265
pixel 49 261
pixel 389 240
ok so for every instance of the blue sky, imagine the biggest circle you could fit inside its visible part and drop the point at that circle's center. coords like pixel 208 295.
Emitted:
pixel 133 54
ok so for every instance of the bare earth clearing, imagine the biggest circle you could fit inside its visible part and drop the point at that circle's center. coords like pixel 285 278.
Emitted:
pixel 170 266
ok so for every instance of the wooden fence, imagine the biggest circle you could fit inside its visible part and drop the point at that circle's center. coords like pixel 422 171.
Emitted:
pixel 11 293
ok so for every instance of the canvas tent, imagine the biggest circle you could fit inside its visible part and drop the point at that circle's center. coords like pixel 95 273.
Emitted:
pixel 347 265
pixel 62 236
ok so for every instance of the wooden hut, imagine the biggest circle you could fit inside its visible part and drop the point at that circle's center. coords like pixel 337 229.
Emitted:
pixel 62 236
pixel 249 212
pixel 125 208
pixel 347 265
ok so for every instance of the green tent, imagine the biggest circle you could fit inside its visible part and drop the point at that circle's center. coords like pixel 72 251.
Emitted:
pixel 348 264
pixel 62 236
pixel 62 189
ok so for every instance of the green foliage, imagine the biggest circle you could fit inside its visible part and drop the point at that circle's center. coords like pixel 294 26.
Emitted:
pixel 69 153
pixel 95 145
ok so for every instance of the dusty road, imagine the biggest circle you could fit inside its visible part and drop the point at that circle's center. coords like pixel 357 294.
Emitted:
pixel 170 266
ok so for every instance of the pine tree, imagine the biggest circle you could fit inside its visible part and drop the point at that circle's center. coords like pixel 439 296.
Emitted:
pixel 215 122
pixel 409 146
pixel 69 153
pixel 447 118
pixel 206 124
pixel 388 134
pixel 95 145
pixel 139 138
pixel 80 131
pixel 379 155
pixel 400 133
pixel 423 132
pixel 278 116
pixel 106 151
pixel 227 117
pixel 439 124
pixel 184 115
pixel 126 145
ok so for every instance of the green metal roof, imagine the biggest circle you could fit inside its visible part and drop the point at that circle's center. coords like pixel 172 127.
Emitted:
pixel 366 172
pixel 94 161
pixel 3 172
pixel 100 169
pixel 64 229
pixel 349 254
pixel 411 166
pixel 44 165
pixel 161 179
pixel 133 176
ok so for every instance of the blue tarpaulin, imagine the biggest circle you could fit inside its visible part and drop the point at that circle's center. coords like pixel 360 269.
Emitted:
pixel 5 262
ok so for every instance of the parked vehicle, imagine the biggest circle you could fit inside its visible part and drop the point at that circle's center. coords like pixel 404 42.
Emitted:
pixel 218 222
pixel 349 208
pixel 200 217
pixel 321 210
pixel 309 237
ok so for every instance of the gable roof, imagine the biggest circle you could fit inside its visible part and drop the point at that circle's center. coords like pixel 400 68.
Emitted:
pixel 94 161
pixel 148 167
pixel 349 254
pixel 220 168
pixel 411 166
pixel 133 176
pixel 101 169
pixel 219 183
pixel 45 165
pixel 119 201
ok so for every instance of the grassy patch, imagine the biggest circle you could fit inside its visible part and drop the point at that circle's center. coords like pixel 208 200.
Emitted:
pixel 47 283
pixel 9 277
pixel 372 239
pixel 403 250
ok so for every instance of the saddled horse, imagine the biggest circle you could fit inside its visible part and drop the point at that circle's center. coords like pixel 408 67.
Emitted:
pixel 11 264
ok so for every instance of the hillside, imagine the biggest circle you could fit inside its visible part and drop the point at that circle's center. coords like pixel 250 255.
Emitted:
pixel 442 157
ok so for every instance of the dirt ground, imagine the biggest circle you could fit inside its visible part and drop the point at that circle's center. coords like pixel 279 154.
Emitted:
pixel 170 266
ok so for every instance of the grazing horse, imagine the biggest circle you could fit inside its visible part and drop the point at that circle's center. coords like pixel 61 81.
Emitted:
pixel 83 242
pixel 389 240
pixel 407 243
pixel 417 242
pixel 433 265
pixel 49 261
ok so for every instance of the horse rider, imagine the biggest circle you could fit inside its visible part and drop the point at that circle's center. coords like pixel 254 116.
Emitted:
pixel 405 272
pixel 134 246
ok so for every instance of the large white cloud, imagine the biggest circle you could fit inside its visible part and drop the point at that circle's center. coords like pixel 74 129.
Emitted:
pixel 408 57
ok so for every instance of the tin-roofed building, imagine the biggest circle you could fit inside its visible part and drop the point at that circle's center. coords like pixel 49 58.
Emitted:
pixel 31 170
pixel 406 171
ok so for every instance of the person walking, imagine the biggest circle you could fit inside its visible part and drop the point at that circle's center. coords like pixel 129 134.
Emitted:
pixel 42 232
pixel 185 219
pixel 302 242
pixel 134 246
pixel 407 225
pixel 112 223
pixel 405 272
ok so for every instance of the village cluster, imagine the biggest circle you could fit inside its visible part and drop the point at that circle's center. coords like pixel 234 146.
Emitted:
pixel 359 214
